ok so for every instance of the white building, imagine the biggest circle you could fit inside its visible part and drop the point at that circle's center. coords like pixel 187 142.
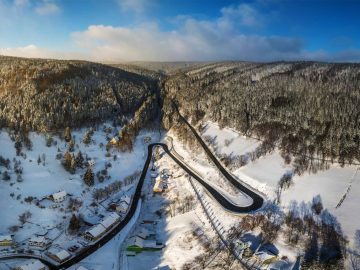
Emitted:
pixel 58 254
pixel 122 207
pixel 59 196
pixel 95 232
pixel 98 230
pixel 146 244
pixel 6 240
pixel 159 185
pixel 110 220
pixel 31 265
pixel 145 233
pixel 39 242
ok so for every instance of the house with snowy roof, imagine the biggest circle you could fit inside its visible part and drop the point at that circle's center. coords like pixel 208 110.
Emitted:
pixel 39 242
pixel 6 240
pixel 145 233
pixel 122 207
pixel 94 232
pixel 98 230
pixel 58 254
pixel 140 244
pixel 59 196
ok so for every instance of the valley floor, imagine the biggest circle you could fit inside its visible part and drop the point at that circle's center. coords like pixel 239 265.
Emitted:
pixel 178 220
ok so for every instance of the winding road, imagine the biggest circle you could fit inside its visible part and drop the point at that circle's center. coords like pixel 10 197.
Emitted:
pixel 257 200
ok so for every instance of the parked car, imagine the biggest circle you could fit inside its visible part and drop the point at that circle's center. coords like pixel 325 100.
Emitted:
pixel 73 248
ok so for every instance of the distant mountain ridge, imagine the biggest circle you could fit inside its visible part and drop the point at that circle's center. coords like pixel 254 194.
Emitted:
pixel 308 108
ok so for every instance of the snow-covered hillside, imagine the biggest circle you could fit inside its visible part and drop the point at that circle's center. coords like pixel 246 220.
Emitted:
pixel 264 174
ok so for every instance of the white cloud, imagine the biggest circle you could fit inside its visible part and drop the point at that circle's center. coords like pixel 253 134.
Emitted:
pixel 222 38
pixel 47 7
pixel 138 6
pixel 245 14
pixel 32 51
pixel 193 40
pixel 21 3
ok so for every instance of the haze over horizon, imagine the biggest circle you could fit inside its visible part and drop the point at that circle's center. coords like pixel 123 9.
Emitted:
pixel 163 30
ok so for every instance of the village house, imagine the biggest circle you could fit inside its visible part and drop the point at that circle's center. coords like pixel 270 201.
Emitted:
pixel 59 196
pixel 39 242
pixel 98 230
pixel 160 185
pixel 145 233
pixel 31 265
pixel 58 254
pixel 6 240
pixel 95 232
pixel 122 207
pixel 140 244
pixel 110 220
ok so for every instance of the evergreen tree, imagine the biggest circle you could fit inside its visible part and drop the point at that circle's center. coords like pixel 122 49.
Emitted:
pixel 87 138
pixel 49 141
pixel 79 160
pixel 6 176
pixel 67 161
pixel 73 164
pixel 89 177
pixel 74 224
pixel 67 134
pixel 71 146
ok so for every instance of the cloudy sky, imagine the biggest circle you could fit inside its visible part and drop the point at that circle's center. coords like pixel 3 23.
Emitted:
pixel 181 30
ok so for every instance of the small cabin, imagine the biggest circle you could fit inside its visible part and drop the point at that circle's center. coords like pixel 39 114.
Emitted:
pixel 59 196
pixel 58 254
pixel 122 207
pixel 95 232
pixel 140 244
pixel 6 240
pixel 40 242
